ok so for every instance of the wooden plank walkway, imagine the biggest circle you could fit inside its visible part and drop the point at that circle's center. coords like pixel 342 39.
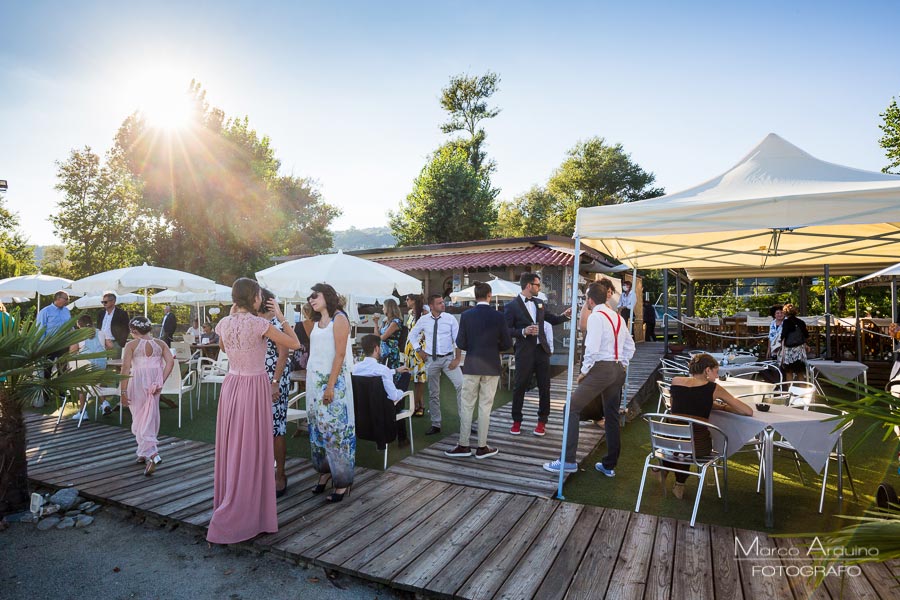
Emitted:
pixel 517 468
pixel 436 538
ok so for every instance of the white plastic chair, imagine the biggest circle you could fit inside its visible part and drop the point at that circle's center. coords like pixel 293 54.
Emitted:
pixel 175 385
pixel 211 372
pixel 296 413
pixel 407 414
pixel 672 440
pixel 798 393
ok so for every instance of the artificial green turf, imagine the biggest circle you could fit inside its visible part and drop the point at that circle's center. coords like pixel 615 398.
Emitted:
pixel 795 505
pixel 203 426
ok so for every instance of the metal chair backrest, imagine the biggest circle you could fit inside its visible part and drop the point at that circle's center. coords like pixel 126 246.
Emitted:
pixel 665 395
pixel 672 437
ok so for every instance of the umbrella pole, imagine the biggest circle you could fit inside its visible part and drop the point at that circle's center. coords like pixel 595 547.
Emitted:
pixel 37 296
pixel 145 303
pixel 573 329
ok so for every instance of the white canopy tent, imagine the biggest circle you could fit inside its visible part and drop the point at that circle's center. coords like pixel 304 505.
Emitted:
pixel 779 211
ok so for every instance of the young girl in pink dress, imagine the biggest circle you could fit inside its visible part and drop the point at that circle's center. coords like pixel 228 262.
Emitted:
pixel 244 488
pixel 146 362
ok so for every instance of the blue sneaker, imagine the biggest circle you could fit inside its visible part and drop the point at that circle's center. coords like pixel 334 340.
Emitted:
pixel 608 472
pixel 554 467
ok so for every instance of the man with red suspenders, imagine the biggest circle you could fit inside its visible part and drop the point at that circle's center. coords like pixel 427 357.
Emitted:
pixel 607 349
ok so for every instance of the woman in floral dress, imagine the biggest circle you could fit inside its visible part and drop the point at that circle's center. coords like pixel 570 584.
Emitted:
pixel 278 368
pixel 329 394
pixel 414 362
pixel 390 335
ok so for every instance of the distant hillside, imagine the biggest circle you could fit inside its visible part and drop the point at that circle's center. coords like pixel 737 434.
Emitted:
pixel 361 239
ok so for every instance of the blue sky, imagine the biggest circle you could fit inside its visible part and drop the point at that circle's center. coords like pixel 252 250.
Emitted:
pixel 348 91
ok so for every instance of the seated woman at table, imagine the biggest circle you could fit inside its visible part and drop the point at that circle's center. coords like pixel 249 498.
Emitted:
pixel 696 396
pixel 209 336
pixel 194 330
pixel 793 343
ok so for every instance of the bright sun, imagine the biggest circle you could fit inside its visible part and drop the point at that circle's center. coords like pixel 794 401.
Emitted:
pixel 165 101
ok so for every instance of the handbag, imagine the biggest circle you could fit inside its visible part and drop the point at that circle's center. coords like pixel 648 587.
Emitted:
pixel 794 338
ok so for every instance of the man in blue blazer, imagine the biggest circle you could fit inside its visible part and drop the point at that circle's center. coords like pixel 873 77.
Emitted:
pixel 525 316
pixel 483 334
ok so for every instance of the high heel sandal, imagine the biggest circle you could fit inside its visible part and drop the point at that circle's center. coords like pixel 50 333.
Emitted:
pixel 336 497
pixel 321 485
pixel 678 490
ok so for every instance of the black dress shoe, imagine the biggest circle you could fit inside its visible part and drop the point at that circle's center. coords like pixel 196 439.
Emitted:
pixel 433 430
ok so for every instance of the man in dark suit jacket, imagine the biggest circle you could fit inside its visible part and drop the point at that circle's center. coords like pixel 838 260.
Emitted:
pixel 483 334
pixel 525 316
pixel 167 328
pixel 113 321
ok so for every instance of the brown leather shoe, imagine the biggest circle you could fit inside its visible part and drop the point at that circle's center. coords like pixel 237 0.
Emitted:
pixel 459 451
pixel 485 451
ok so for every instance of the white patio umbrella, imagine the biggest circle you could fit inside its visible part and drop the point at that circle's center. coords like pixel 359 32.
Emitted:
pixel 32 286
pixel 129 279
pixel 221 295
pixel 349 275
pixel 501 289
pixel 96 301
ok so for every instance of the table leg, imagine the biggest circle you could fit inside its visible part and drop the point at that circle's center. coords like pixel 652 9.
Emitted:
pixel 768 450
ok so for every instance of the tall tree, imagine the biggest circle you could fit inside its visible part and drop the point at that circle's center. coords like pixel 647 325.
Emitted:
pixel 99 218
pixel 450 202
pixel 56 262
pixel 215 191
pixel 528 214
pixel 594 174
pixel 16 255
pixel 466 99
pixel 890 141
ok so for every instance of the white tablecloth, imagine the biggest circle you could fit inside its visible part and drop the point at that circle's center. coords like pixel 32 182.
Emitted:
pixel 739 369
pixel 810 433
pixel 840 373
pixel 739 359
pixel 740 387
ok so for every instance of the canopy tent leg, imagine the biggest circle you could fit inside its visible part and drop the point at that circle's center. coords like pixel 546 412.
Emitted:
pixel 827 314
pixel 665 311
pixel 689 307
pixel 570 376
pixel 623 404
pixel 678 307
pixel 893 299
pixel 859 352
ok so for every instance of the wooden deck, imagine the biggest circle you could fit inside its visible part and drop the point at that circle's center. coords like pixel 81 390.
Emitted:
pixel 517 468
pixel 438 538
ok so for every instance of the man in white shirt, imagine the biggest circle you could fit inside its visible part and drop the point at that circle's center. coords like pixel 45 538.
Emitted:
pixel 371 366
pixel 440 355
pixel 608 348
pixel 627 301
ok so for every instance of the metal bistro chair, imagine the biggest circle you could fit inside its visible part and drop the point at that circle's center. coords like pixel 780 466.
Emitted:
pixel 669 369
pixel 665 396
pixel 672 440
pixel 836 454
pixel 797 393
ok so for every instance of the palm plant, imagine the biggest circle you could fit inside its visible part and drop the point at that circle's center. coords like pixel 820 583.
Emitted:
pixel 878 531
pixel 25 352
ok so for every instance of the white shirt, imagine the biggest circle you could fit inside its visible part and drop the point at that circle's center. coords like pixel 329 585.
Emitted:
pixel 369 367
pixel 193 331
pixel 627 300
pixel 530 307
pixel 600 342
pixel 548 333
pixel 106 327
pixel 447 329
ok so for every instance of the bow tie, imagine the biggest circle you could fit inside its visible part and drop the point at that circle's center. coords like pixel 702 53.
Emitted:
pixel 530 300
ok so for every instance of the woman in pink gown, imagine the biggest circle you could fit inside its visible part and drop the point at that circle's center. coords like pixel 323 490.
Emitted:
pixel 146 362
pixel 244 490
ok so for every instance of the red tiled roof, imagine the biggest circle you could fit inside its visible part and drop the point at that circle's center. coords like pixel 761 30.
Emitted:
pixel 479 260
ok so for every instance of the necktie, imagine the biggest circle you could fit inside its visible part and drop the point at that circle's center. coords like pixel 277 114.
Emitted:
pixel 434 339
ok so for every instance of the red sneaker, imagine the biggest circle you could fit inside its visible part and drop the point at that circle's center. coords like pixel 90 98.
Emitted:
pixel 539 430
pixel 516 429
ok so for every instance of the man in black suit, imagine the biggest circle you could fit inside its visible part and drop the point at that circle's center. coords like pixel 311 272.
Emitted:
pixel 167 329
pixel 483 335
pixel 525 316
pixel 113 322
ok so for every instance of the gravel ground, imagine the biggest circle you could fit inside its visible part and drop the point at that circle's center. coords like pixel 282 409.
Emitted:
pixel 121 556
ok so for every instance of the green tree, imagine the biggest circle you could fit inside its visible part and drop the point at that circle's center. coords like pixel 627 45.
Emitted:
pixel 16 255
pixel 220 207
pixel 466 99
pixel 528 214
pixel 594 174
pixel 99 218
pixel 56 262
pixel 890 140
pixel 450 202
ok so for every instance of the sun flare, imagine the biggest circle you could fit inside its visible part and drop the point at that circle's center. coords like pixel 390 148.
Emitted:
pixel 165 101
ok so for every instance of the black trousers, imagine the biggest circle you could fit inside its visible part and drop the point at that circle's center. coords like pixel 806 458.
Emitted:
pixel 530 361
pixel 650 333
